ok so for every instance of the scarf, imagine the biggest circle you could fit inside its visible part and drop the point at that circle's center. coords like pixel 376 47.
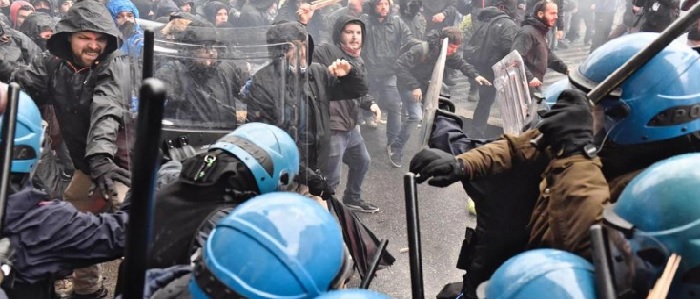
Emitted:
pixel 351 52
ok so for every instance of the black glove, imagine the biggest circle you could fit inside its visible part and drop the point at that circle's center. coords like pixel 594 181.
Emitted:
pixel 317 184
pixel 443 167
pixel 104 172
pixel 568 126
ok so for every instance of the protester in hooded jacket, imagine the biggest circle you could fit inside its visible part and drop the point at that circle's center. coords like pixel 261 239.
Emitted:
pixel 353 9
pixel 531 43
pixel 439 13
pixel 89 86
pixel 321 88
pixel 16 48
pixel 19 10
pixel 39 28
pixel 347 144
pixel 254 14
pixel 44 6
pixel 217 13
pixel 411 15
pixel 203 91
pixel 125 13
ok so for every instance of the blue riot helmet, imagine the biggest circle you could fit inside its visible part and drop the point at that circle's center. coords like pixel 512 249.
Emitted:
pixel 353 294
pixel 276 245
pixel 269 153
pixel 657 214
pixel 28 134
pixel 541 273
pixel 659 101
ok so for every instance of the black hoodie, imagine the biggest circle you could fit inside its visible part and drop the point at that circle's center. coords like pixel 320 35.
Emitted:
pixel 90 103
pixel 34 25
pixel 491 41
pixel 344 114
pixel 531 43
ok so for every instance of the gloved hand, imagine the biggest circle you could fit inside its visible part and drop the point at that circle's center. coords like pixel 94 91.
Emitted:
pixel 104 172
pixel 317 184
pixel 444 168
pixel 568 126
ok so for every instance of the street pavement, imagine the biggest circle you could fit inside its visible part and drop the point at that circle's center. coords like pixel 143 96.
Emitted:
pixel 443 213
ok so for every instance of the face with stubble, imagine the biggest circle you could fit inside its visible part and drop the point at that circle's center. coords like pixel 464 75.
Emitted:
pixel 351 36
pixel 87 46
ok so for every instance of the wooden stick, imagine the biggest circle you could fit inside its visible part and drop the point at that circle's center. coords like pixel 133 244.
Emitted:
pixel 662 285
pixel 318 4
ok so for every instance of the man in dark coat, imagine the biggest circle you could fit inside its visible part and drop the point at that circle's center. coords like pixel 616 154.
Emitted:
pixel 49 237
pixel 347 144
pixel 39 28
pixel 410 14
pixel 16 48
pixel 340 81
pixel 88 84
pixel 439 13
pixel 492 39
pixel 656 15
pixel 254 14
pixel 531 43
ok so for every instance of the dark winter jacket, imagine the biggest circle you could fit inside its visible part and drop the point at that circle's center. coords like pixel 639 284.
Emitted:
pixel 343 114
pixel 16 48
pixel 90 103
pixel 34 24
pixel 433 7
pixel 531 43
pixel 201 95
pixel 656 19
pixel 51 238
pixel 383 42
pixel 417 25
pixel 310 117
pixel 415 67
pixel 491 41
pixel 253 14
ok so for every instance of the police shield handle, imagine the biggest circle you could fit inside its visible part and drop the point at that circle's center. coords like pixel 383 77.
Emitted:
pixel 662 285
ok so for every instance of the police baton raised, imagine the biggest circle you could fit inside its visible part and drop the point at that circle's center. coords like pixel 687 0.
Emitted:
pixel 7 144
pixel 415 256
pixel 145 162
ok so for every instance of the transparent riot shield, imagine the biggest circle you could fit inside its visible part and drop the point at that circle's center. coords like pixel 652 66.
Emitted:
pixel 512 93
pixel 430 104
pixel 218 79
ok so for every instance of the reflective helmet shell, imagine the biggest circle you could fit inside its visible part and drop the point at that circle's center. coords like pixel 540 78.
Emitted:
pixel 276 245
pixel 273 169
pixel 543 273
pixel 663 97
pixel 28 133
pixel 663 202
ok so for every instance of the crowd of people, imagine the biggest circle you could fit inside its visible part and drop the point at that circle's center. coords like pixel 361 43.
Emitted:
pixel 289 86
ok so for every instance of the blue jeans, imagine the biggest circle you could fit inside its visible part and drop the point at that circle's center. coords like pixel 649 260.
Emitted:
pixel 348 148
pixel 413 113
pixel 387 96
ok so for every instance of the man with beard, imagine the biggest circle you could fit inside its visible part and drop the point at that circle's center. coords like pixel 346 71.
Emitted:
pixel 531 43
pixel 88 85
pixel 317 85
pixel 353 9
pixel 203 84
pixel 439 13
pixel 124 13
pixel 492 39
pixel 347 144
pixel 410 14
pixel 386 35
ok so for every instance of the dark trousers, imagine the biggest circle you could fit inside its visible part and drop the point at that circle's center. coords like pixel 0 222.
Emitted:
pixel 603 26
pixel 487 95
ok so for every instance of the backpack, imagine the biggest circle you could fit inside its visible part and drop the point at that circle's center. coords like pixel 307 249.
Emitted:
pixel 407 47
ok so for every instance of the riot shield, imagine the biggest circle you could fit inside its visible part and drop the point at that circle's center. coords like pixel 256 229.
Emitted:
pixel 430 104
pixel 209 75
pixel 512 93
